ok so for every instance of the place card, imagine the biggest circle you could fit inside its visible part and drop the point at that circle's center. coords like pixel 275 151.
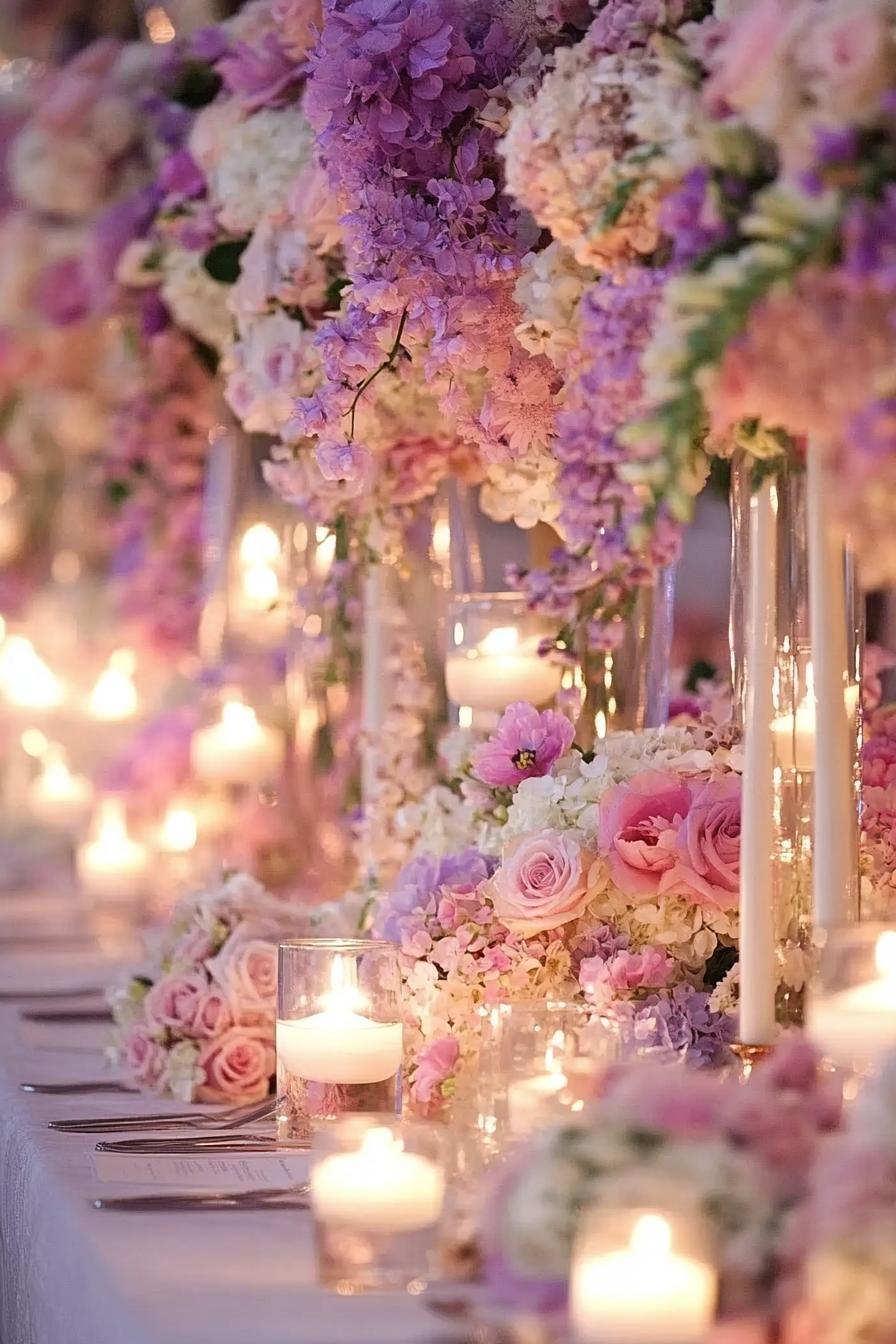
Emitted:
pixel 253 1171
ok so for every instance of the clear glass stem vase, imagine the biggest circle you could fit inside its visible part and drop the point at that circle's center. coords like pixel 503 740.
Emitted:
pixel 777 646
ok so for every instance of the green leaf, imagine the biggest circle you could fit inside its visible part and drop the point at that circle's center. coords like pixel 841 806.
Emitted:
pixel 222 262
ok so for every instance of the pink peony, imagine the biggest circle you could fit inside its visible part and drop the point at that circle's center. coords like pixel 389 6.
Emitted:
pixel 171 1002
pixel 846 51
pixel 435 1063
pixel 542 882
pixel 238 1066
pixel 524 745
pixel 246 971
pixel 144 1058
pixel 707 846
pixel 637 829
pixel 749 59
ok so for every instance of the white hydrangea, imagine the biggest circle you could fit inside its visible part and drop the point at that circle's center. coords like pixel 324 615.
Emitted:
pixel 549 291
pixel 197 303
pixel 274 363
pixel 522 491
pixel 258 162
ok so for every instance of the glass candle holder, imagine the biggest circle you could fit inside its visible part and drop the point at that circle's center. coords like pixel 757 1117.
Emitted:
pixel 377 1193
pixel 852 1003
pixel 640 1276
pixel 493 658
pixel 234 749
pixel 539 1060
pixel 339 1033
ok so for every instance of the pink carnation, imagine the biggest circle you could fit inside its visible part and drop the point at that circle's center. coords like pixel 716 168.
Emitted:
pixel 638 829
pixel 525 745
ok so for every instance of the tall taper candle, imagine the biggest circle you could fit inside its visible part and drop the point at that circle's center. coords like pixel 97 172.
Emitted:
pixel 834 861
pixel 757 889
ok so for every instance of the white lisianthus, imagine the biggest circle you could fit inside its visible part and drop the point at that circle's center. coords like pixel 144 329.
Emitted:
pixel 197 303
pixel 256 165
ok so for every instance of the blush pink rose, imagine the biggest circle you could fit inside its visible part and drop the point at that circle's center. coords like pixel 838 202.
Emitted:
pixel 144 1058
pixel 237 1066
pixel 750 56
pixel 637 829
pixel 245 970
pixel 172 1002
pixel 849 52
pixel 707 847
pixel 213 1016
pixel 542 882
pixel 623 973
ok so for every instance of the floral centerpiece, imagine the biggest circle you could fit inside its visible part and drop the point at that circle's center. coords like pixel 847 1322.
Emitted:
pixel 737 1157
pixel 543 871
pixel 197 1021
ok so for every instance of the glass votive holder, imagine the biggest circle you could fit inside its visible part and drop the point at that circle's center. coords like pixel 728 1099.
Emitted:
pixel 377 1193
pixel 493 658
pixel 234 749
pixel 339 1032
pixel 540 1059
pixel 851 1014
pixel 641 1276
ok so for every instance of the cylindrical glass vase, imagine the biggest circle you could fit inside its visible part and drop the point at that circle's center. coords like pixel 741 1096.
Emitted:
pixel 493 656
pixel 339 1033
pixel 774 701
pixel 626 688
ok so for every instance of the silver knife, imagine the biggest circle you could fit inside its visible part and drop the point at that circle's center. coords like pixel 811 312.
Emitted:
pixel 295 1198
pixel 202 1143
pixel 75 1089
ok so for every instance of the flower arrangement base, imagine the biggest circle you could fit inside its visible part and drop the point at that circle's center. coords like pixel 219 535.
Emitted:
pixel 302 1103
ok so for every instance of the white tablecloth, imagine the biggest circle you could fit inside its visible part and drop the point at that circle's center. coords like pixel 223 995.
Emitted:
pixel 70 1274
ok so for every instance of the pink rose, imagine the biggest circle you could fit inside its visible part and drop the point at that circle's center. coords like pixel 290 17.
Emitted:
pixel 172 1002
pixel 707 847
pixel 246 971
pixel 213 1016
pixel 750 57
pixel 848 51
pixel 435 1064
pixel 541 882
pixel 237 1066
pixel 144 1058
pixel 638 824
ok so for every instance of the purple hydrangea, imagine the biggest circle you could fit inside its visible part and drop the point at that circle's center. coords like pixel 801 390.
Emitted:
pixel 420 881
pixel 679 1020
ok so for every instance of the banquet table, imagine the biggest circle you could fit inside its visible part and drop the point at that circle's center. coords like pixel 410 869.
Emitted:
pixel 71 1274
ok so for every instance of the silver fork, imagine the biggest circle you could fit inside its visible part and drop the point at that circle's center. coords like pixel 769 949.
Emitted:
pixel 199 1143
pixel 234 1118
pixel 74 1089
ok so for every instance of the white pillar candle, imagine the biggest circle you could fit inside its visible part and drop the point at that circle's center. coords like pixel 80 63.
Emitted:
pixel 237 749
pixel 500 669
pixel 179 830
pixel 757 842
pixel 378 1188
pixel 113 866
pixel 834 855
pixel 854 1027
pixel 642 1294
pixel 57 797
pixel 114 697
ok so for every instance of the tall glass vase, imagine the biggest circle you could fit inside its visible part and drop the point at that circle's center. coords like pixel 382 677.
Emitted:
pixel 627 688
pixel 774 657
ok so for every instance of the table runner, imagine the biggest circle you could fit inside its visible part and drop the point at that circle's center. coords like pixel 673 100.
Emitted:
pixel 72 1275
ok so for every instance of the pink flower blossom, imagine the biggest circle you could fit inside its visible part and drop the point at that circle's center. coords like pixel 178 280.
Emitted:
pixel 213 1016
pixel 542 882
pixel 435 1064
pixel 638 828
pixel 144 1057
pixel 171 1002
pixel 625 972
pixel 707 846
pixel 238 1066
pixel 246 971
pixel 524 745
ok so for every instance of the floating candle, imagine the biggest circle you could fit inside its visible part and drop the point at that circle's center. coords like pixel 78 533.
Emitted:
pixel 237 749
pixel 112 866
pixel 501 668
pixel 379 1187
pixel 57 797
pixel 114 697
pixel 855 1026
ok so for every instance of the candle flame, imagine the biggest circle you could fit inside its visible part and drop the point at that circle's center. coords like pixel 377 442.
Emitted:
pixel 114 696
pixel 260 545
pixel 261 585
pixel 499 642
pixel 651 1236
pixel 344 995
pixel 110 827
pixel 380 1142
pixel 441 540
pixel 25 678
pixel 179 831
pixel 885 954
